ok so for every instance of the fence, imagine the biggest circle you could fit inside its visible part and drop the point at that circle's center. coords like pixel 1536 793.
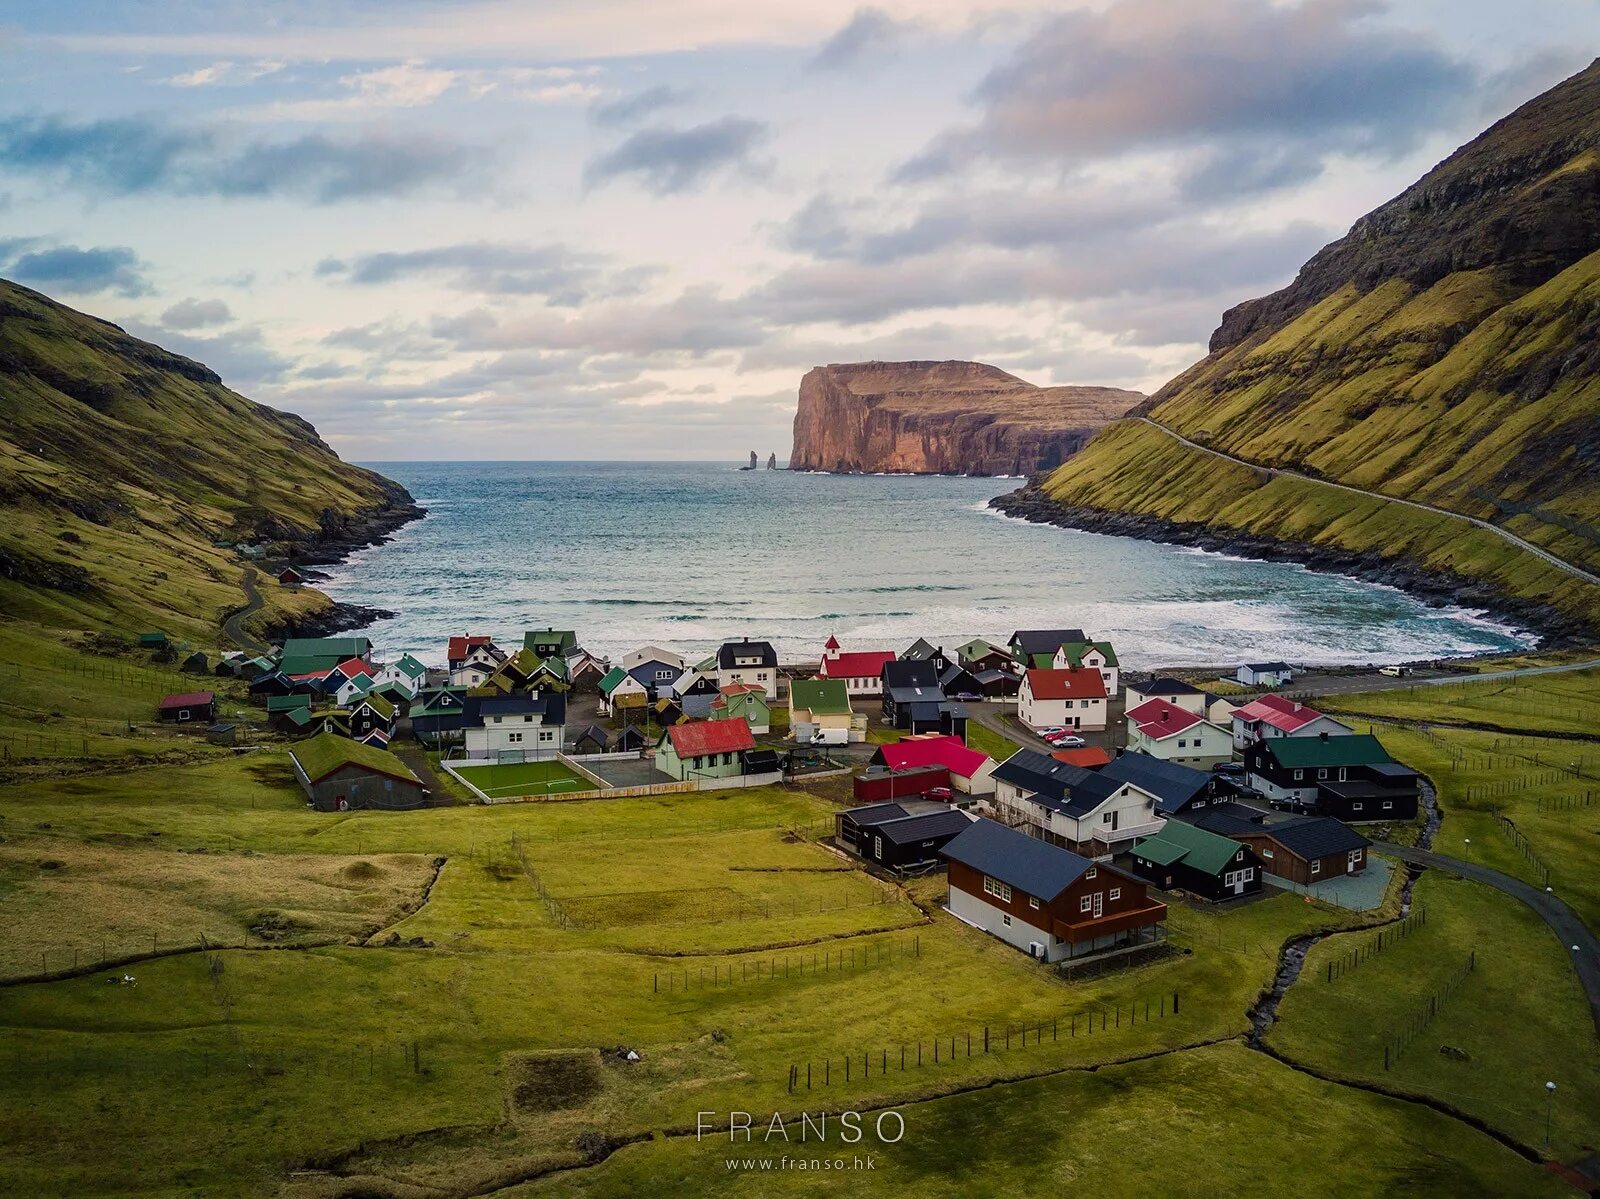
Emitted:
pixel 1418 1022
pixel 1563 803
pixel 1525 847
pixel 1355 958
pixel 820 963
pixel 946 1049
pixel 1524 782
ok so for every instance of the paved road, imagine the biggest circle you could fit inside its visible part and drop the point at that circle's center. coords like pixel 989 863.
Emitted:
pixel 1552 910
pixel 1273 471
pixel 233 626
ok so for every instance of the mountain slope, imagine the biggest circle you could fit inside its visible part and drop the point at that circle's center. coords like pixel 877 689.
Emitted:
pixel 121 465
pixel 1447 350
pixel 942 418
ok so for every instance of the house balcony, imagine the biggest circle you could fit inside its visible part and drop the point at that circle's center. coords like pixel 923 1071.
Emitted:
pixel 1104 843
pixel 1088 928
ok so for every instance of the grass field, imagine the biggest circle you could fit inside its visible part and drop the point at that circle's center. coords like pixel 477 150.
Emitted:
pixel 1551 703
pixel 512 780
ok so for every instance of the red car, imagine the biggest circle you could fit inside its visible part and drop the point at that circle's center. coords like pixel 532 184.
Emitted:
pixel 939 793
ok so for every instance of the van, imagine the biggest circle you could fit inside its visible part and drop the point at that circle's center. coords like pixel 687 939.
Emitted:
pixel 1395 672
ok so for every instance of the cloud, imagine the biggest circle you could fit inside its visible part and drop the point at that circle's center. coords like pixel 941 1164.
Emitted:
pixel 562 275
pixel 75 271
pixel 670 160
pixel 196 314
pixel 133 155
pixel 869 31
pixel 626 110
pixel 1159 74
pixel 225 73
pixel 241 356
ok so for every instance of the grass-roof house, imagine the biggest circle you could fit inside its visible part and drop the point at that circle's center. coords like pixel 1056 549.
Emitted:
pixel 339 775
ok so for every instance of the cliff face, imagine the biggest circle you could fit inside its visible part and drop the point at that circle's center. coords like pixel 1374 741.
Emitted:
pixel 943 418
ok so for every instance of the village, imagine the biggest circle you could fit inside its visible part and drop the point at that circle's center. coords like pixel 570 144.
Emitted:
pixel 1065 803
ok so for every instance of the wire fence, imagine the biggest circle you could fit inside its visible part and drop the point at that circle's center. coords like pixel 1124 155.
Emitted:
pixel 1525 847
pixel 1357 956
pixel 948 1048
pixel 826 962
pixel 1397 1042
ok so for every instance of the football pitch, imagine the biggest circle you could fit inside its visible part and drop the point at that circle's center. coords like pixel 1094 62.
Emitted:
pixel 511 780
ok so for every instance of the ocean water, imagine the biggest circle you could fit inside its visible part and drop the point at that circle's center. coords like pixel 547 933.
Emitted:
pixel 688 555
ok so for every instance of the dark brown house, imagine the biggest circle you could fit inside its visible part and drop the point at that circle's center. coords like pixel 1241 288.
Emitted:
pixel 191 707
pixel 1302 849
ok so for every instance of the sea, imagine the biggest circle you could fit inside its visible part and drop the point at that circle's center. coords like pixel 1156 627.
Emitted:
pixel 688 555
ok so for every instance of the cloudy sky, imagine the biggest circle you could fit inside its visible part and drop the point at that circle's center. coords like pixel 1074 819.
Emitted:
pixel 614 229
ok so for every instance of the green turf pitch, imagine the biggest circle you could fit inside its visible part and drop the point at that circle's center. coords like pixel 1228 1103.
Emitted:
pixel 505 779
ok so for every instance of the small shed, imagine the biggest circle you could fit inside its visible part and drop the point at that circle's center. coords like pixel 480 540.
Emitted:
pixel 290 577
pixel 196 663
pixel 888 835
pixel 631 738
pixel 189 707
pixel 221 734
pixel 1265 674
pixel 591 740
pixel 152 640
pixel 339 775
pixel 876 786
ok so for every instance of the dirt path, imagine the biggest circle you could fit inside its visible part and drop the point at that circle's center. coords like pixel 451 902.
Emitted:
pixel 233 626
pixel 1274 471
pixel 439 795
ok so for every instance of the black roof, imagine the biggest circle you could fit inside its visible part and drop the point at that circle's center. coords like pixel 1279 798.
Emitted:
pixel 914 672
pixel 594 732
pixel 954 675
pixel 760 761
pixel 744 649
pixel 947 823
pixel 552 705
pixel 1172 784
pixel 1268 666
pixel 876 813
pixel 918 650
pixel 1032 866
pixel 632 735
pixel 1071 790
pixel 1316 836
pixel 1167 687
pixel 1044 641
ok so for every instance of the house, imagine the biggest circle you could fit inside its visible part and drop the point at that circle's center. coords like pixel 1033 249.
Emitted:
pixel 957 682
pixel 1265 674
pixel 439 713
pixel 1350 777
pixel 919 650
pixel 550 643
pixel 861 672
pixel 547 674
pixel 914 701
pixel 515 727
pixel 375 736
pixel 1028 646
pixel 371 713
pixel 349 680
pixel 1177 788
pixel 288 713
pixel 307 655
pixel 1276 716
pixel 339 775
pixel 697 680
pixel 584 670
pixel 1186 857
pixel 230 666
pixel 705 749
pixel 667 711
pixel 971 771
pixel 619 690
pixel 997 684
pixel 1175 691
pixel 472 660
pixel 820 713
pixel 1073 699
pixel 1164 730
pixel 222 734
pixel 195 663
pixel 1304 849
pixel 743 701
pixel 653 668
pixel 878 783
pixel 405 673
pixel 629 740
pixel 1090 655
pixel 290 577
pixel 1086 811
pixel 887 835
pixel 592 740
pixel 152 640
pixel 979 655
pixel 1050 902
pixel 747 661
pixel 1090 757
pixel 189 707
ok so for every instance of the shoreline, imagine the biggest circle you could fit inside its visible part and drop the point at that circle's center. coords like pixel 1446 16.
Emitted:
pixel 1554 630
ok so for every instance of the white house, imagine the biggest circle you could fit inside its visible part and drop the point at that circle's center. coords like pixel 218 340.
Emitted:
pixel 1073 699
pixel 1090 655
pixel 619 689
pixel 1173 734
pixel 862 671
pixel 528 725
pixel 406 673
pixel 748 662
pixel 1070 806
pixel 1265 674
pixel 1174 691
pixel 472 660
pixel 1274 716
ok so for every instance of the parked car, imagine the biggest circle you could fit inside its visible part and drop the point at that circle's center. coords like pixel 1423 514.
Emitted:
pixel 940 793
pixel 1231 769
pixel 1395 672
pixel 1050 730
pixel 1067 741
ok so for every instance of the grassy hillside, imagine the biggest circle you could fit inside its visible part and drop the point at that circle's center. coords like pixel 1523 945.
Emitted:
pixel 1444 351
pixel 121 466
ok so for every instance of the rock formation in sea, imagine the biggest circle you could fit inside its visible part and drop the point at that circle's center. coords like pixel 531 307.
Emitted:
pixel 943 418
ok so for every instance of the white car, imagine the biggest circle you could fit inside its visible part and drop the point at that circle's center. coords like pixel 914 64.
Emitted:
pixel 1067 741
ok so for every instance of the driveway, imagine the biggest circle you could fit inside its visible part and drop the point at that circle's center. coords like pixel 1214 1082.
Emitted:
pixel 1358 892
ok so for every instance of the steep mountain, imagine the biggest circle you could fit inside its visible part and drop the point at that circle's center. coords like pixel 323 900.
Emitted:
pixel 942 418
pixel 1445 351
pixel 122 466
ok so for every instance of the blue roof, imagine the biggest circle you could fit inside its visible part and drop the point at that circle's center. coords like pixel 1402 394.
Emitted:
pixel 1172 784
pixel 1026 863
pixel 1069 789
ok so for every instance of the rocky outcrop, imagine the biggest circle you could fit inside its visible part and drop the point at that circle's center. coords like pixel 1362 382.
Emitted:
pixel 943 418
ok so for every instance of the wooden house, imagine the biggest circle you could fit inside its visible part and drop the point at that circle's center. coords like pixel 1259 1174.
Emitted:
pixel 620 690
pixel 890 836
pixel 820 713
pixel 1265 674
pixel 1090 655
pixel 188 707
pixel 1274 716
pixel 971 771
pixel 1037 647
pixel 339 775
pixel 1186 857
pixel 653 668
pixel 1350 777
pixel 1302 849
pixel 743 701
pixel 705 749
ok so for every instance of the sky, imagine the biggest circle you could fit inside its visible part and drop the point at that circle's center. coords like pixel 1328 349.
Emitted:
pixel 623 229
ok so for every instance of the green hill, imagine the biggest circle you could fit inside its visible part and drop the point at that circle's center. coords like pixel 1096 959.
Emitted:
pixel 127 472
pixel 1446 351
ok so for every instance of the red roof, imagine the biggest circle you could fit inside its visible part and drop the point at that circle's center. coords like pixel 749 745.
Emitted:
pixel 868 664
pixel 697 738
pixel 740 689
pixel 1279 712
pixel 831 643
pixel 460 647
pixel 1158 718
pixel 189 699
pixel 1090 757
pixel 938 750
pixel 354 666
pixel 1082 683
pixel 316 675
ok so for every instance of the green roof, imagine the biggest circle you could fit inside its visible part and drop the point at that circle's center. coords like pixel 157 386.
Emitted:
pixel 612 677
pixel 1042 661
pixel 325 753
pixel 379 705
pixel 565 638
pixel 308 664
pixel 1205 851
pixel 827 696
pixel 286 703
pixel 978 647
pixel 324 647
pixel 1076 649
pixel 409 666
pixel 432 698
pixel 152 638
pixel 1346 749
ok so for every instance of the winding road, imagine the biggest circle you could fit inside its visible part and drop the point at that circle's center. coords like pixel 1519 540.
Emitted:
pixel 233 626
pixel 1274 471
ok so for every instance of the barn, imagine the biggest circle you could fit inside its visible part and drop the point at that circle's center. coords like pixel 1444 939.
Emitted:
pixel 190 707
pixel 339 775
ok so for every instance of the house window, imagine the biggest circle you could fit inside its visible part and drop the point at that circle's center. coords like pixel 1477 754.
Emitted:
pixel 497 720
pixel 1182 744
pixel 1316 867
pixel 1000 890
pixel 1266 851
pixel 663 674
pixel 1114 893
pixel 1298 775
pixel 1033 902
pixel 546 735
pixel 1249 873
pixel 1006 920
pixel 1342 774
pixel 514 737
pixel 1090 873
pixel 1106 819
pixel 1355 807
pixel 877 847
pixel 1085 903
pixel 1322 772
pixel 1387 804
pixel 183 713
